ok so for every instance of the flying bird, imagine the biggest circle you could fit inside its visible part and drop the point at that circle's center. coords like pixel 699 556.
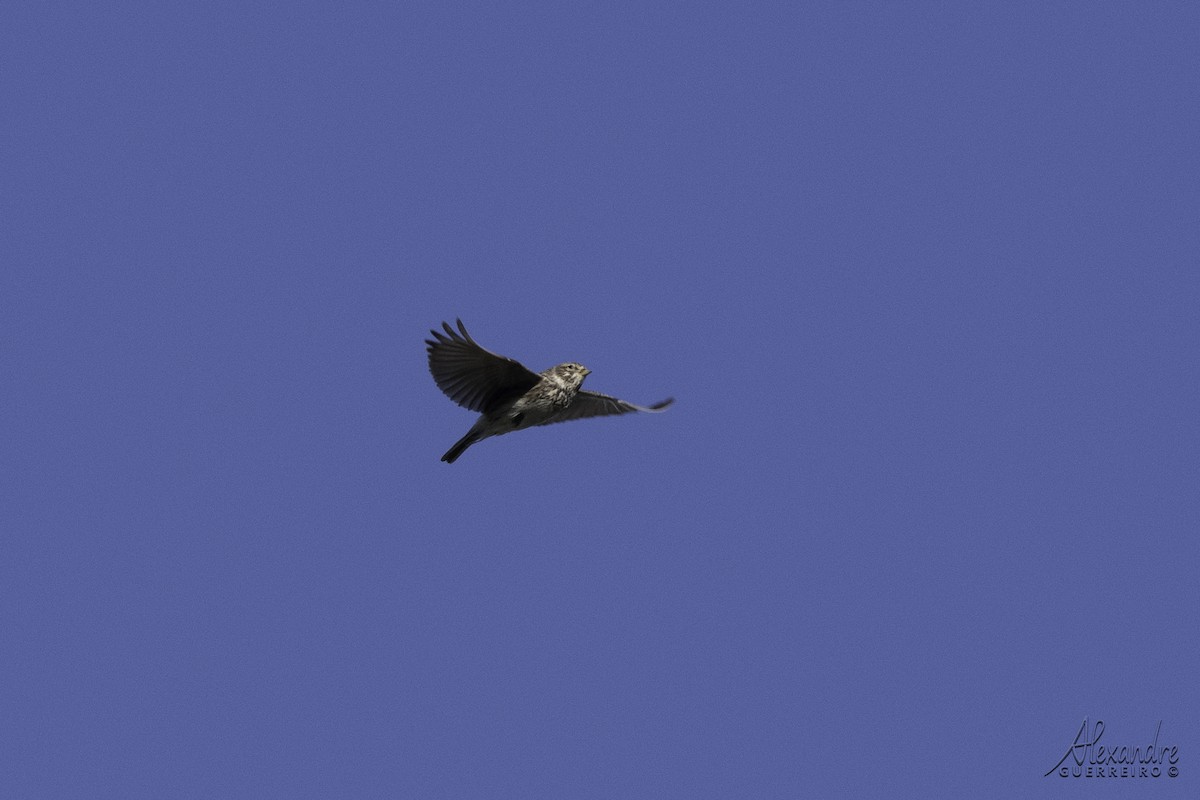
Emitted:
pixel 508 396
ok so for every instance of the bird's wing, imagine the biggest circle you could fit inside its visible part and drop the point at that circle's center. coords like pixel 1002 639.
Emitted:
pixel 471 376
pixel 594 404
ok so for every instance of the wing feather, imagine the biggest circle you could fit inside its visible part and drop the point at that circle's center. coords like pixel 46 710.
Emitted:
pixel 473 377
pixel 594 404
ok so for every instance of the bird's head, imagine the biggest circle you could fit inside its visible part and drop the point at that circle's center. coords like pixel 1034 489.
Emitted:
pixel 571 373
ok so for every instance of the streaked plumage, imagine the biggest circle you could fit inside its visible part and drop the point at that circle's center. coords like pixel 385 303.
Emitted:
pixel 508 396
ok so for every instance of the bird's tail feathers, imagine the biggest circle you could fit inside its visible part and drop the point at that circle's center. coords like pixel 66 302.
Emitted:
pixel 461 446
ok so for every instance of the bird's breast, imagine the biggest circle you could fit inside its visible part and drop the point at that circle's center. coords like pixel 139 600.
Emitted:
pixel 562 396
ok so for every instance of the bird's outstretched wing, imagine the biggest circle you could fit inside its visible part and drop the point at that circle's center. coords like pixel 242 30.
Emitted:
pixel 473 377
pixel 594 404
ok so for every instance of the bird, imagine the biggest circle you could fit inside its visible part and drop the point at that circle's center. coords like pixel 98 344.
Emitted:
pixel 508 395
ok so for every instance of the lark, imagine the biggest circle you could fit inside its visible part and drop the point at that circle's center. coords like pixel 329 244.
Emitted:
pixel 509 396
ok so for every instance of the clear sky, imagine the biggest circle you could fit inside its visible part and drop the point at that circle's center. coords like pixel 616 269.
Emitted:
pixel 924 279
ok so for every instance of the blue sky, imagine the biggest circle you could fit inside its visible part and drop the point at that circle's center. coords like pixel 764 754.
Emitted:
pixel 922 277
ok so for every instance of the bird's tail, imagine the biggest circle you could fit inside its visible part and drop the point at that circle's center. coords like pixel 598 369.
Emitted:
pixel 461 446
